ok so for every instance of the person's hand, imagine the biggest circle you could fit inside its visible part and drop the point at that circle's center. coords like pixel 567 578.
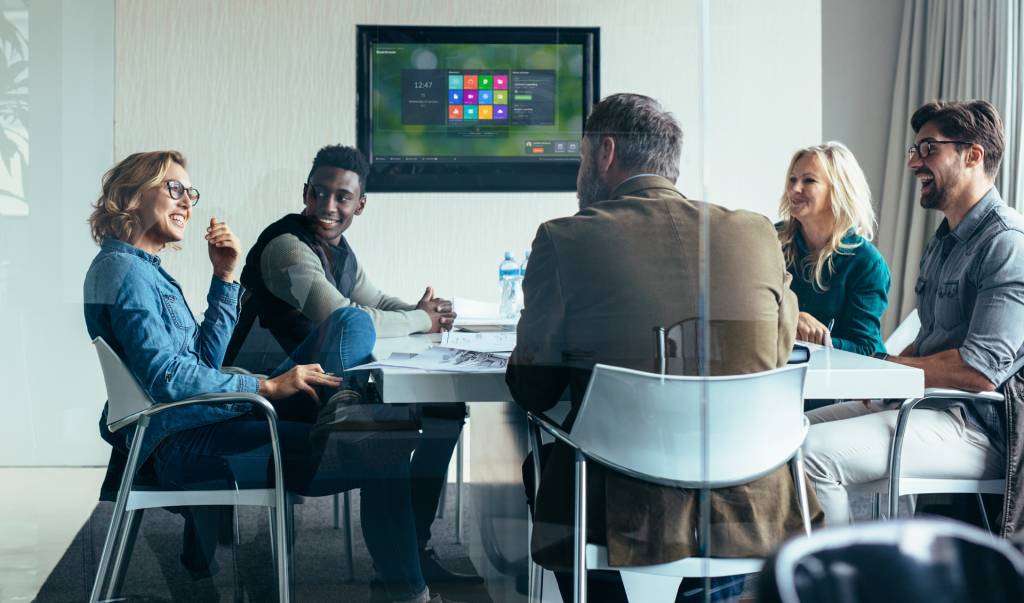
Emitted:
pixel 300 378
pixel 224 250
pixel 809 329
pixel 440 311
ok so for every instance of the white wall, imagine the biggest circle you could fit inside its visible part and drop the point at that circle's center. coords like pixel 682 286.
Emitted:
pixel 269 85
pixel 250 90
pixel 859 50
pixel 50 386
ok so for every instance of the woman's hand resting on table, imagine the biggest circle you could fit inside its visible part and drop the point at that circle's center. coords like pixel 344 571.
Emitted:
pixel 809 329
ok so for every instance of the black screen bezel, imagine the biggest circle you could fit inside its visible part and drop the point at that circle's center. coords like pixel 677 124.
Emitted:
pixel 469 176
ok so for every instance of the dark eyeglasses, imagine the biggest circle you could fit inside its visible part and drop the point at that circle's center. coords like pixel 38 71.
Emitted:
pixel 177 189
pixel 925 147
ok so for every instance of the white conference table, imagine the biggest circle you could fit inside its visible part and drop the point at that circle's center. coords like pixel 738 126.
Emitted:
pixel 496 537
pixel 831 374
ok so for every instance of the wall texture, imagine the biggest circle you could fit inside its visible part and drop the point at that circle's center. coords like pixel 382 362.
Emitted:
pixel 859 50
pixel 250 90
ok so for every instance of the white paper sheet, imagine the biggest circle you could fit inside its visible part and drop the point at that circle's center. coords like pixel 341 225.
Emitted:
pixel 474 312
pixel 479 342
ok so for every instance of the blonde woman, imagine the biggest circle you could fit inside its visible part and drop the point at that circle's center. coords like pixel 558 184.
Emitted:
pixel 839 277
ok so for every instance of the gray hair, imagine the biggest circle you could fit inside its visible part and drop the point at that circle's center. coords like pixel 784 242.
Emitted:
pixel 647 138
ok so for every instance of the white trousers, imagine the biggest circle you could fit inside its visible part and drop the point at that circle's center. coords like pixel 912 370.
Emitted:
pixel 848 444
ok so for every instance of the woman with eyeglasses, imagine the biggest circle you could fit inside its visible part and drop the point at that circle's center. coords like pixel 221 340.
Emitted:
pixel 839 277
pixel 146 204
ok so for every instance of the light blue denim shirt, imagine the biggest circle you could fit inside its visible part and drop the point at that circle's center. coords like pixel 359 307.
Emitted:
pixel 970 296
pixel 137 308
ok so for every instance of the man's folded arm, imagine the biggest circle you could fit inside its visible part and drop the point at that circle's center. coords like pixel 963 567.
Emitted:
pixel 293 273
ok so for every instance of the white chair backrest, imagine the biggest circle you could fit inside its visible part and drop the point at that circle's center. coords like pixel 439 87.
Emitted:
pixel 904 335
pixel 125 397
pixel 650 426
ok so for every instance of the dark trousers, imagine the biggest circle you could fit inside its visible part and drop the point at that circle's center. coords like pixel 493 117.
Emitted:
pixel 605 586
pixel 442 424
pixel 236 453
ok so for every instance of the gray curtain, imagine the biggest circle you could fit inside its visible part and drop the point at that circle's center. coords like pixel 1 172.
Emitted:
pixel 949 50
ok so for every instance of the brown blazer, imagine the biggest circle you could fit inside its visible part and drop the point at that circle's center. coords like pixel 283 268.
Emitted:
pixel 597 284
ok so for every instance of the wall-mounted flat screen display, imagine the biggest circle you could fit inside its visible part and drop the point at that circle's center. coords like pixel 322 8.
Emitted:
pixel 474 109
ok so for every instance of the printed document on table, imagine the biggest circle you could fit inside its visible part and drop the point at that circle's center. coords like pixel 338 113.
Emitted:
pixel 479 342
pixel 447 360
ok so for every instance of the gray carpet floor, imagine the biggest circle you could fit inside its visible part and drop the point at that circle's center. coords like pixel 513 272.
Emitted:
pixel 246 571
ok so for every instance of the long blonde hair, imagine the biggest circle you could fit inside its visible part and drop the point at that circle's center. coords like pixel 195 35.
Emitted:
pixel 850 200
pixel 115 214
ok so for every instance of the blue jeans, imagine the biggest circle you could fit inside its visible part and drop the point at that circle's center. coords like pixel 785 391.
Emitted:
pixel 236 454
pixel 343 340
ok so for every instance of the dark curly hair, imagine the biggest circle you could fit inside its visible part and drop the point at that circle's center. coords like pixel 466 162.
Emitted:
pixel 342 157
pixel 975 121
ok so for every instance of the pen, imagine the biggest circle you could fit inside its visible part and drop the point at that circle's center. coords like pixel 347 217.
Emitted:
pixel 831 324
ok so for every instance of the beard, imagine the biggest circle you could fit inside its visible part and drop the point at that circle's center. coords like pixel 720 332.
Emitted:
pixel 935 198
pixel 591 188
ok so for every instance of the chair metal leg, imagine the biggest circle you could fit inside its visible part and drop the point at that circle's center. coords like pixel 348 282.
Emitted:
pixel 458 490
pixel 801 485
pixel 536 571
pixel 984 514
pixel 896 453
pixel 580 544
pixel 349 557
pixel 337 517
pixel 282 559
pixel 117 518
pixel 124 547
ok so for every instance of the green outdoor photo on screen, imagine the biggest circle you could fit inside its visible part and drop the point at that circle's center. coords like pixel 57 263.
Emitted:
pixel 476 102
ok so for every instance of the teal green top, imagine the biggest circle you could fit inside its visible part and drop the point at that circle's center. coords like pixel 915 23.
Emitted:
pixel 856 298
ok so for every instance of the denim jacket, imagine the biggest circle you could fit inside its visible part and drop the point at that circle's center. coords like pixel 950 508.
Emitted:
pixel 137 308
pixel 971 297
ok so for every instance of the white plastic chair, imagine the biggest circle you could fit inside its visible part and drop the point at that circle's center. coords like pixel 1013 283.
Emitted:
pixel 897 485
pixel 651 427
pixel 128 404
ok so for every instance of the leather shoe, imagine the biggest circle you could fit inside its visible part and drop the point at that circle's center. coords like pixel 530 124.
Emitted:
pixel 434 572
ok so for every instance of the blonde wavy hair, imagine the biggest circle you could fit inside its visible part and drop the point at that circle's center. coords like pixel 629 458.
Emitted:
pixel 116 213
pixel 850 200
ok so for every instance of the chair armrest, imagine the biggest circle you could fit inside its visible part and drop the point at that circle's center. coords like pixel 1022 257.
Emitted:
pixel 550 427
pixel 903 417
pixel 212 399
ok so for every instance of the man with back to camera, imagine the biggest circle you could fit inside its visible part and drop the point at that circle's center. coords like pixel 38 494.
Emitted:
pixel 301 272
pixel 971 303
pixel 596 285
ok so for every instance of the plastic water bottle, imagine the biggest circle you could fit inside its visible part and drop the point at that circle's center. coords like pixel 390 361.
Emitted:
pixel 522 275
pixel 508 279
